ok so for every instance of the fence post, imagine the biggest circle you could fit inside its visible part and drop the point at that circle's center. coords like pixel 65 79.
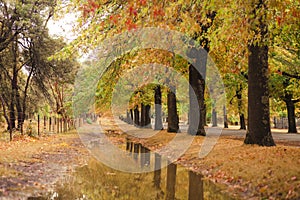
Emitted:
pixel 38 125
pixel 50 123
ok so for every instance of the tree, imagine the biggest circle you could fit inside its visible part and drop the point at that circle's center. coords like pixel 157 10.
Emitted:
pixel 25 63
pixel 259 131
pixel 158 111
pixel 284 84
pixel 173 120
pixel 20 22
pixel 254 28
pixel 9 18
pixel 190 17
pixel 239 29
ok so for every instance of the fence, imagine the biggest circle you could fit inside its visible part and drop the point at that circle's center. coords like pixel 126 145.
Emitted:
pixel 53 124
pixel 282 123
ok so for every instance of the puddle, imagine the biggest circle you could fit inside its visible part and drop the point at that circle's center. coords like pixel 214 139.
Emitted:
pixel 97 181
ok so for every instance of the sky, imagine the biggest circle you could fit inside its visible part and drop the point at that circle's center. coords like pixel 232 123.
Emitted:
pixel 63 27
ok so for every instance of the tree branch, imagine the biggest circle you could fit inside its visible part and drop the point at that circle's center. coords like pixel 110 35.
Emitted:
pixel 290 75
pixel 296 100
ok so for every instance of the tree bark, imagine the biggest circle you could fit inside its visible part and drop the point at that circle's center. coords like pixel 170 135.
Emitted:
pixel 12 115
pixel 225 117
pixel 157 171
pixel 19 110
pixel 131 116
pixel 4 110
pixel 157 101
pixel 197 111
pixel 171 181
pixel 173 120
pixel 147 117
pixel 290 105
pixel 242 122
pixel 136 116
pixel 143 115
pixel 197 75
pixel 240 108
pixel 259 131
pixel 214 118
pixel 195 186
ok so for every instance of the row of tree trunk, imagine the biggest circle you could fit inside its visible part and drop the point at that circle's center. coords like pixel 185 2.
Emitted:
pixel 139 117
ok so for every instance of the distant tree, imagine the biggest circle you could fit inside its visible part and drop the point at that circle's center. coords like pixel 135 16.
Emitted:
pixel 285 84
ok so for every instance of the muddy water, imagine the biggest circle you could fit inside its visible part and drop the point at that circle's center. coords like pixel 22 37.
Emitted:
pixel 97 181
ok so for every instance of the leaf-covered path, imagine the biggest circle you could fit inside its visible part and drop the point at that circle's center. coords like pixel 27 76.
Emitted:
pixel 29 167
pixel 32 167
pixel 243 171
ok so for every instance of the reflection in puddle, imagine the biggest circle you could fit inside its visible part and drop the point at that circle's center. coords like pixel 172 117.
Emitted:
pixel 97 181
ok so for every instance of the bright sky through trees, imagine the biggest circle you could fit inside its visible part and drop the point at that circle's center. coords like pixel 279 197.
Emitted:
pixel 63 27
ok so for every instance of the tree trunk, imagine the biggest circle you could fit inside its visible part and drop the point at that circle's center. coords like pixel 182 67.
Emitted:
pixel 25 95
pixel 225 117
pixel 127 117
pixel 240 108
pixel 290 105
pixel 157 101
pixel 131 116
pixel 143 115
pixel 4 110
pixel 173 120
pixel 12 116
pixel 214 118
pixel 171 181
pixel 157 171
pixel 20 111
pixel 197 111
pixel 195 186
pixel 259 131
pixel 14 87
pixel 147 117
pixel 136 116
pixel 197 75
pixel 242 122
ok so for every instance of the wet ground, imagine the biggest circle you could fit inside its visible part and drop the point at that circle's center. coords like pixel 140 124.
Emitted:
pixel 39 176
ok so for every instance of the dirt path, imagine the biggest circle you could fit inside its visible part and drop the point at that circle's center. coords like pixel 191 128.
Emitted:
pixel 30 168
